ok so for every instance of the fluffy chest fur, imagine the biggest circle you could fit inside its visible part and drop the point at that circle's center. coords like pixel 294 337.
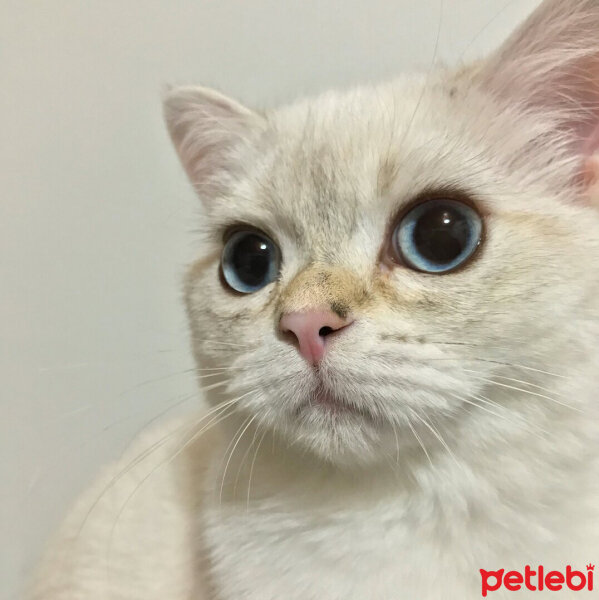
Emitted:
pixel 382 551
pixel 382 536
pixel 156 525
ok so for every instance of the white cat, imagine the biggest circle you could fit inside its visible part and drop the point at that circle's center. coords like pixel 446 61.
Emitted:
pixel 396 317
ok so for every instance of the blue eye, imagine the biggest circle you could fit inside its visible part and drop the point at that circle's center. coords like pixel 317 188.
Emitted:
pixel 250 261
pixel 438 235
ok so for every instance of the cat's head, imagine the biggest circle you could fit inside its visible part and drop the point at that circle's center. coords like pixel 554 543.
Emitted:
pixel 373 260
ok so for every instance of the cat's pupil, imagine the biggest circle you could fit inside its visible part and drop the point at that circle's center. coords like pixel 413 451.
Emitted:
pixel 251 259
pixel 441 234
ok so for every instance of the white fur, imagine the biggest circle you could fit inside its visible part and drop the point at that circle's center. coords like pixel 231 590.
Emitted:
pixel 476 440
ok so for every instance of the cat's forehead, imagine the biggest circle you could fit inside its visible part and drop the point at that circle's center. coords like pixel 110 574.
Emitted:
pixel 341 142
pixel 330 164
pixel 336 167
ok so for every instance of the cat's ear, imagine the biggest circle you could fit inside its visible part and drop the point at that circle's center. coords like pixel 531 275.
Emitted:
pixel 550 66
pixel 208 131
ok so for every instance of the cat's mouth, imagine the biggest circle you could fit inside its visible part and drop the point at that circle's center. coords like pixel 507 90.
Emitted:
pixel 327 402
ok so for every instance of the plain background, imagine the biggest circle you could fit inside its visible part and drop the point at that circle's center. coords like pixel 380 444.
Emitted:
pixel 97 219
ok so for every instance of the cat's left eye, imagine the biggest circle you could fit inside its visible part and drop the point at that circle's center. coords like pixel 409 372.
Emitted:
pixel 250 261
pixel 438 235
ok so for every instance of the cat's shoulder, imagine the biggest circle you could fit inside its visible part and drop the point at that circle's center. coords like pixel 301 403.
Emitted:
pixel 136 525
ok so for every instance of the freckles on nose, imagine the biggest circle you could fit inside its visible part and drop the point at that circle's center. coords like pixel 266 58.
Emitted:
pixel 309 330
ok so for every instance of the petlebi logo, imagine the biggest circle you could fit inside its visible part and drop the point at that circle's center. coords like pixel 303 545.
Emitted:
pixel 537 580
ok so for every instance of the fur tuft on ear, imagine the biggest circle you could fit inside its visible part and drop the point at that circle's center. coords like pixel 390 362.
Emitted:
pixel 207 130
pixel 550 67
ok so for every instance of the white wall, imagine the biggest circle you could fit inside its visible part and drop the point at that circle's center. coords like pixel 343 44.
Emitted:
pixel 97 220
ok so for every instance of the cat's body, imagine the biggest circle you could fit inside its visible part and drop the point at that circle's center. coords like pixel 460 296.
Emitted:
pixel 379 430
pixel 408 540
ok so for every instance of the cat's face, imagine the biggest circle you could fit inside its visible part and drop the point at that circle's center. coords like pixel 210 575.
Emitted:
pixel 330 183
pixel 330 189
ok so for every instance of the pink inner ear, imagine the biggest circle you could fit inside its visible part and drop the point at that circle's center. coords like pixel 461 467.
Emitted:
pixel 550 66
pixel 590 165
pixel 590 174
pixel 591 145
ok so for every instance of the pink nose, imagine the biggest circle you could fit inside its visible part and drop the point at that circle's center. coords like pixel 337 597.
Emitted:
pixel 311 328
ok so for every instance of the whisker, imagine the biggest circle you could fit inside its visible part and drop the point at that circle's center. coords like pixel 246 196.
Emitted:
pixel 67 415
pixel 124 471
pixel 223 369
pixel 172 406
pixel 213 423
pixel 535 426
pixel 242 462
pixel 397 452
pixel 531 393
pixel 68 449
pixel 513 380
pixel 428 76
pixel 247 423
pixel 194 437
pixel 485 400
pixel 483 29
pixel 148 451
pixel 214 374
pixel 246 346
pixel 495 361
pixel 252 466
pixel 518 366
pixel 185 398
pixel 420 442
pixel 157 379
pixel 437 435
pixel 232 440
pixel 476 359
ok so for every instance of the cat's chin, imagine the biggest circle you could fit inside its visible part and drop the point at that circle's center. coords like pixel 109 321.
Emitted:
pixel 336 430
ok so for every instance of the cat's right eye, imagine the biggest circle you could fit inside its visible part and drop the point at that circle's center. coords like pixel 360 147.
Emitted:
pixel 250 261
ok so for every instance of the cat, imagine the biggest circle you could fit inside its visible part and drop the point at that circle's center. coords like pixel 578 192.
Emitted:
pixel 395 318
